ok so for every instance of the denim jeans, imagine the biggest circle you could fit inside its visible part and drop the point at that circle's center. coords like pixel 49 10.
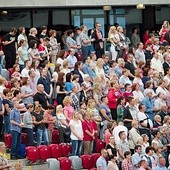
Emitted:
pixel 76 147
pixel 29 133
pixel 42 134
pixel 85 52
pixel 16 142
pixel 7 124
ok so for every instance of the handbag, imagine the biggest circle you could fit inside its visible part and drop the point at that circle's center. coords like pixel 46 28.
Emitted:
pixel 79 56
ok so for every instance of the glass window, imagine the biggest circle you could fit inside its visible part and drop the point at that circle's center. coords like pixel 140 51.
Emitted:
pixel 89 22
pixel 15 18
pixel 77 21
pixel 40 18
pixel 121 21
pixel 119 11
pixel 92 12
pixel 58 14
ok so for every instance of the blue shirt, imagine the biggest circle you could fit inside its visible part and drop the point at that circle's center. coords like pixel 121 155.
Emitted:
pixel 46 82
pixel 106 108
pixel 136 158
pixel 101 162
pixel 68 86
pixel 159 167
pixel 118 71
pixel 88 70
pixel 15 116
pixel 71 61
pixel 24 55
pixel 149 104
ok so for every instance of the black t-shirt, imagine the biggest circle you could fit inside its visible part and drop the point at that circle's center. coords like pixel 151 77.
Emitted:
pixel 30 37
pixel 41 98
pixel 38 118
pixel 11 46
pixel 130 67
pixel 10 104
pixel 114 152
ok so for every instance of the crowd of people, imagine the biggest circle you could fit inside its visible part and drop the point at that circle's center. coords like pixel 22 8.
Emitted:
pixel 121 96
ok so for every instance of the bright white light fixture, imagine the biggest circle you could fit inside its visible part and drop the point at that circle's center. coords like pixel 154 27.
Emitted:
pixel 4 12
pixel 107 8
pixel 140 6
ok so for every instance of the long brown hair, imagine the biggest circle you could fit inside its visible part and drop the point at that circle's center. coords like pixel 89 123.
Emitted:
pixel 61 78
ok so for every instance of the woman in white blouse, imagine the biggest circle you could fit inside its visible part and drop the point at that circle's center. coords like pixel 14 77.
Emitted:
pixel 137 93
pixel 76 134
pixel 113 37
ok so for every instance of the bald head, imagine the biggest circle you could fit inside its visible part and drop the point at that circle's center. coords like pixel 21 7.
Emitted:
pixel 40 88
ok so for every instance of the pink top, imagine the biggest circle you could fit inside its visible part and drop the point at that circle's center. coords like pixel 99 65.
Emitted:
pixel 69 111
pixel 49 117
pixel 164 31
pixel 107 135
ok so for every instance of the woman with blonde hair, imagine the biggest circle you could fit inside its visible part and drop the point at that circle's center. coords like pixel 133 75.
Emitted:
pixel 165 28
pixel 32 35
pixel 99 68
pixel 65 68
pixel 113 37
pixel 93 111
pixel 68 108
pixel 97 94
pixel 76 134
pixel 63 125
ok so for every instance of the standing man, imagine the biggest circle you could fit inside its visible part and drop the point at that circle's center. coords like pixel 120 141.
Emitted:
pixel 16 126
pixel 130 66
pixel 71 59
pixel 9 42
pixel 139 53
pixel 46 82
pixel 98 43
pixel 40 97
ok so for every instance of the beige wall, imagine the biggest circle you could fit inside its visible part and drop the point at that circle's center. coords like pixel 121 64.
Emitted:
pixel 65 3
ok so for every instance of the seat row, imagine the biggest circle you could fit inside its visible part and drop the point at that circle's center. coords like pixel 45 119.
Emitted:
pixel 74 162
